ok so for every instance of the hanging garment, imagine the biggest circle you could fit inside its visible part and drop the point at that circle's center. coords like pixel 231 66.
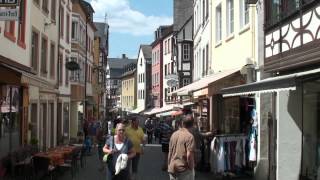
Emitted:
pixel 214 148
pixel 253 152
pixel 221 158
pixel 238 160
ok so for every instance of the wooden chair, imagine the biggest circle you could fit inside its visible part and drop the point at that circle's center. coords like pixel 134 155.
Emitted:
pixel 42 167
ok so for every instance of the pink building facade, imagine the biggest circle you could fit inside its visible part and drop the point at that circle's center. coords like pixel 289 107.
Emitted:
pixel 157 75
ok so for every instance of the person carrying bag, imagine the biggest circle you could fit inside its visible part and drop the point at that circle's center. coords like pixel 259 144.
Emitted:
pixel 115 147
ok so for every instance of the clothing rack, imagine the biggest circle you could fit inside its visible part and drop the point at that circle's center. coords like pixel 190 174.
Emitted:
pixel 229 135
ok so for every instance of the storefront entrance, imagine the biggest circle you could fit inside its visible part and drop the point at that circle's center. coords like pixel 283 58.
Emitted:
pixel 311 131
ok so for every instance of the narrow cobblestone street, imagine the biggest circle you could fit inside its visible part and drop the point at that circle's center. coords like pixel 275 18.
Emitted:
pixel 149 168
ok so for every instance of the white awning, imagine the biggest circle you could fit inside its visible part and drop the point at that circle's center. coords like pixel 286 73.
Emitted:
pixel 203 83
pixel 269 85
pixel 137 111
pixel 152 111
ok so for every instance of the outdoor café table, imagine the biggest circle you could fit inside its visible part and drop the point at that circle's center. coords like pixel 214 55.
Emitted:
pixel 55 158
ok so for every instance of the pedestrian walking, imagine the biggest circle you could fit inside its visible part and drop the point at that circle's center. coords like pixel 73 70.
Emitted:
pixel 135 133
pixel 149 129
pixel 100 141
pixel 165 134
pixel 181 152
pixel 118 146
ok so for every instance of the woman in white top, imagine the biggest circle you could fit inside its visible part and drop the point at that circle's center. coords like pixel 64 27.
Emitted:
pixel 116 145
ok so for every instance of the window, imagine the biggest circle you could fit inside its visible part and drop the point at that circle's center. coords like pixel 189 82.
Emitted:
pixel 203 11
pixel 34 51
pixel 185 81
pixel 66 119
pixel 218 24
pixel 51 121
pixel 45 6
pixel 169 45
pixel 244 13
pixel 204 65
pixel 68 29
pixel 34 120
pixel 43 129
pixel 52 61
pixel 67 74
pixel 165 70
pixel 74 30
pixel 276 10
pixel 11 132
pixel 186 52
pixel 61 22
pixel 208 62
pixel 230 17
pixel 22 26
pixel 207 9
pixel 9 30
pixel 53 10
pixel 44 55
pixel 60 68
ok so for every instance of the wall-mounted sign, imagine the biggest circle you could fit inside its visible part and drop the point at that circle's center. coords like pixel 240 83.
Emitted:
pixel 9 15
pixel 172 82
pixel 8 3
pixel 172 76
pixel 72 66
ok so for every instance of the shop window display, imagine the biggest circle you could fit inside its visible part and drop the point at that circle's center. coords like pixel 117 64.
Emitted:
pixel 10 120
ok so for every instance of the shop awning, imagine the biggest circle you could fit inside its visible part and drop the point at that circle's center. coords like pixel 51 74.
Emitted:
pixel 137 111
pixel 164 109
pixel 152 111
pixel 164 114
pixel 203 83
pixel 269 85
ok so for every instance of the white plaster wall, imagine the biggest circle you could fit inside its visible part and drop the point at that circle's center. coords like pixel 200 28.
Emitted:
pixel 11 49
pixel 289 113
pixel 202 37
pixel 141 69
pixel 66 47
pixel 166 59
pixel 38 21
pixel 233 50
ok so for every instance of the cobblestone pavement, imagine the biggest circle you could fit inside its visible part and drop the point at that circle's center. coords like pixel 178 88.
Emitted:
pixel 149 168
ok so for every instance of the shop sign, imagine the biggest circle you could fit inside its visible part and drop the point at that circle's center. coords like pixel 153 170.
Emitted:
pixel 72 66
pixel 8 3
pixel 172 76
pixel 172 82
pixel 9 14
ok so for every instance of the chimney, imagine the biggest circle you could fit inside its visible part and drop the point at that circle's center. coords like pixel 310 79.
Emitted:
pixel 124 56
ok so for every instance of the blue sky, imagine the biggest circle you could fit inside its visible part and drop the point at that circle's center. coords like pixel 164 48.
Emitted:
pixel 132 22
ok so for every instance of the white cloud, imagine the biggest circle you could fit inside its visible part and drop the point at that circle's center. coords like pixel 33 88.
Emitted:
pixel 122 18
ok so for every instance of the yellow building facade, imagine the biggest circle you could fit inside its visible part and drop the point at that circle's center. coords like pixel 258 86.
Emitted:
pixel 233 34
pixel 128 91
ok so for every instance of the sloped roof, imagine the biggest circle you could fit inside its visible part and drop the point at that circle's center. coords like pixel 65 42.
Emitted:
pixel 119 63
pixel 147 51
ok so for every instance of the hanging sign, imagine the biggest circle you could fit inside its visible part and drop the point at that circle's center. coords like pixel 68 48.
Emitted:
pixel 8 3
pixel 9 15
